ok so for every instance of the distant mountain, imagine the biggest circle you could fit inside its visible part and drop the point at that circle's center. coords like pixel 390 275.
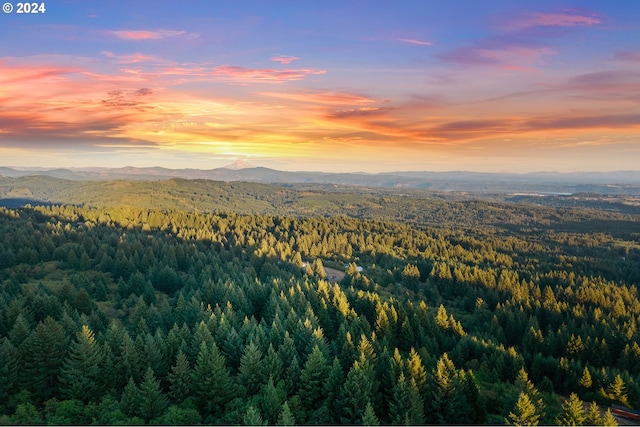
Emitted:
pixel 239 164
pixel 618 183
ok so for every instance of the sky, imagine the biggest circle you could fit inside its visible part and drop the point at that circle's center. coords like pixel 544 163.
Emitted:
pixel 336 86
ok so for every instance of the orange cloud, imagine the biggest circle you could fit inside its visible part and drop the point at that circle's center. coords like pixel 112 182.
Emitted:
pixel 284 59
pixel 79 107
pixel 322 97
pixel 250 75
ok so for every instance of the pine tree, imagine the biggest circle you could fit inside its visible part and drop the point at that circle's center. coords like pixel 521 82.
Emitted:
pixel 292 376
pixel 406 407
pixel 608 419
pixel 450 404
pixel 251 372
pixel 585 381
pixel 269 400
pixel 572 412
pixel 357 392
pixel 369 417
pixel 252 417
pixel 272 364
pixel 286 417
pixel 20 331
pixel 44 352
pixel 130 399
pixel 152 401
pixel 524 412
pixel 312 380
pixel 525 385
pixel 442 318
pixel 9 357
pixel 415 371
pixel 617 390
pixel 332 387
pixel 211 381
pixel 411 276
pixel 593 416
pixel 180 379
pixel 81 375
pixel 127 362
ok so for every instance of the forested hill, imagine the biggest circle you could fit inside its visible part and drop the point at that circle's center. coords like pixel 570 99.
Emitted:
pixel 612 183
pixel 188 302
pixel 408 206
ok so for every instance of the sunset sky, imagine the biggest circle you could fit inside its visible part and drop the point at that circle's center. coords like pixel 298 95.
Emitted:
pixel 498 86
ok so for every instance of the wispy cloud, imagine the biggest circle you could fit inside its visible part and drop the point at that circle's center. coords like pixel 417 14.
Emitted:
pixel 283 59
pixel 500 51
pixel 151 35
pixel 252 75
pixel 133 58
pixel 416 42
pixel 604 121
pixel 628 55
pixel 322 97
pixel 566 19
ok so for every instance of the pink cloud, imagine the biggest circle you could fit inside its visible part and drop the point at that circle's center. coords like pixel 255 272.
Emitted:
pixel 500 52
pixel 628 55
pixel 518 68
pixel 250 75
pixel 416 42
pixel 283 59
pixel 150 35
pixel 131 59
pixel 553 20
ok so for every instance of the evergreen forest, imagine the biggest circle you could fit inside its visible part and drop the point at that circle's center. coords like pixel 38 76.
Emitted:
pixel 241 304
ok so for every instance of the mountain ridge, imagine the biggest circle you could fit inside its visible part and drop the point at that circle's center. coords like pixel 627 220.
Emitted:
pixel 615 182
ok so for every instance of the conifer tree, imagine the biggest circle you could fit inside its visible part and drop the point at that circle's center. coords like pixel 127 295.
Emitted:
pixel 369 417
pixel 416 371
pixel 272 364
pixel 9 357
pixel 572 412
pixel 211 381
pixel 585 381
pixel 312 380
pixel 524 384
pixel 608 419
pixel 252 417
pixel 357 392
pixel 332 387
pixel 442 318
pixel 449 399
pixel 286 418
pixel 524 412
pixel 251 373
pixel 130 399
pixel 180 379
pixel 44 352
pixel 406 407
pixel 269 400
pixel 81 376
pixel 152 401
pixel 292 376
pixel 617 390
pixel 593 415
